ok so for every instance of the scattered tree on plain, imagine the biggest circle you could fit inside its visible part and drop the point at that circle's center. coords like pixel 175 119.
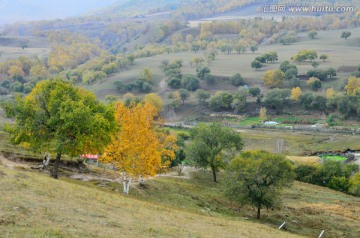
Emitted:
pixel 262 114
pixel 296 93
pixel 274 78
pixel 323 57
pixel 202 95
pixel 312 34
pixel 184 94
pixel 345 34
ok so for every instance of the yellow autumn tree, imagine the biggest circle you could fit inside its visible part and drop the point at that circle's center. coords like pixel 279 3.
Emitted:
pixel 353 83
pixel 274 78
pixel 155 100
pixel 296 93
pixel 15 70
pixel 262 114
pixel 329 93
pixel 138 148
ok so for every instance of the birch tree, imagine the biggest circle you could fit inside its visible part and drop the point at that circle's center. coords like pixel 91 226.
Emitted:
pixel 138 148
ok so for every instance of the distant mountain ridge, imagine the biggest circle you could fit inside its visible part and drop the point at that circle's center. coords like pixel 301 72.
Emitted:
pixel 12 11
pixel 24 10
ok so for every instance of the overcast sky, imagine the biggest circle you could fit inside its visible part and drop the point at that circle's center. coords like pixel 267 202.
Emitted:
pixel 24 10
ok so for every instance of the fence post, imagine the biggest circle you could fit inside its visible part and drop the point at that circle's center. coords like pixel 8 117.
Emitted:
pixel 282 225
pixel 321 234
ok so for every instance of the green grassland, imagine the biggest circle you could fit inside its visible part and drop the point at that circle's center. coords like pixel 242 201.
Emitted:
pixel 334 157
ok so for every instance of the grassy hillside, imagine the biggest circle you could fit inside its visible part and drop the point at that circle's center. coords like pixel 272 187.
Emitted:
pixel 306 209
pixel 33 205
pixel 340 51
pixel 329 42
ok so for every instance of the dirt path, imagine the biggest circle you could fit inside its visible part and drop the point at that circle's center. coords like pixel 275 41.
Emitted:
pixel 162 84
pixel 357 159
pixel 12 165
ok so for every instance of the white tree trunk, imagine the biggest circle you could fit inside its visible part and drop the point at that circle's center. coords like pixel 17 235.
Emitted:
pixel 46 160
pixel 141 180
pixel 126 183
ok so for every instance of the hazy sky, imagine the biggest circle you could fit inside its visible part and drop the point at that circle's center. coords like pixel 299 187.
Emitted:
pixel 20 10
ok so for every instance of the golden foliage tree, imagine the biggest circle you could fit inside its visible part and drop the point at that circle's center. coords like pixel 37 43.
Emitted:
pixel 147 75
pixel 155 100
pixel 329 93
pixel 296 93
pixel 274 78
pixel 352 85
pixel 138 148
pixel 15 70
pixel 262 114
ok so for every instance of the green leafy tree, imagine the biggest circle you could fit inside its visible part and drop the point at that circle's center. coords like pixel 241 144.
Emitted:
pixel 315 64
pixel 221 101
pixel 312 34
pixel 355 185
pixel 60 118
pixel 277 98
pixel 253 48
pixel 286 65
pixel 345 34
pixel 331 72
pixel 209 142
pixel 184 94
pixel 256 64
pixel 131 58
pixel 202 71
pixel 291 73
pixel 239 101
pixel 257 178
pixel 190 82
pixel 314 83
pixel 202 95
pixel 323 57
pixel 237 80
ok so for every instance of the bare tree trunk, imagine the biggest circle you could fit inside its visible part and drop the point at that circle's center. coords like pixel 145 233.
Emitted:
pixel 56 166
pixel 213 172
pixel 258 213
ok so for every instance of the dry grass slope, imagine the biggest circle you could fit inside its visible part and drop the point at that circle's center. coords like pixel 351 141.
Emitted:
pixel 33 205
